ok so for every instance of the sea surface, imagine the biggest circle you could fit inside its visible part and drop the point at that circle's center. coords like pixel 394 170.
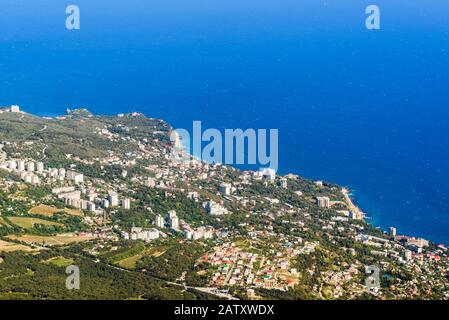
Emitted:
pixel 367 109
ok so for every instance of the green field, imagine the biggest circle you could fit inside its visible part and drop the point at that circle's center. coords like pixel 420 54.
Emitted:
pixel 60 261
pixel 28 223
pixel 49 211
pixel 131 257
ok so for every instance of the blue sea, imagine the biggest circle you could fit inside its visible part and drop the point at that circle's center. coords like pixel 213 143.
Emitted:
pixel 367 109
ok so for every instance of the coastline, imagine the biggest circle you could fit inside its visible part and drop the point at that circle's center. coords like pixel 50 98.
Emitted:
pixel 183 152
pixel 350 203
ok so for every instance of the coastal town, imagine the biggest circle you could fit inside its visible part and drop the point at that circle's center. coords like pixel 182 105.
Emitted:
pixel 106 191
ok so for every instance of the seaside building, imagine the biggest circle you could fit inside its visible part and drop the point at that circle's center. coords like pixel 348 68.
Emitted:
pixel 283 183
pixel 408 255
pixel 14 109
pixel 352 215
pixel 269 174
pixel 225 189
pixel 392 232
pixel 323 202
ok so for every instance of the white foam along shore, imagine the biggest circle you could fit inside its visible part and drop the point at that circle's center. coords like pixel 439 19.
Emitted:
pixel 359 213
pixel 182 148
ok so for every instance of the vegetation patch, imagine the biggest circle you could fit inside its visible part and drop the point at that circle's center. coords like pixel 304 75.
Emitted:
pixel 60 261
pixel 28 223
pixel 49 211
pixel 10 247
pixel 50 240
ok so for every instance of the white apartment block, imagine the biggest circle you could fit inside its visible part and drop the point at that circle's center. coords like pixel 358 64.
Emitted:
pixel 40 167
pixel 126 204
pixel 14 109
pixel 76 177
pixel 214 208
pixel 141 234
pixel 225 189
pixel 269 174
pixel 21 165
pixel 323 202
pixel 174 223
pixel 30 166
pixel 113 199
pixel 160 222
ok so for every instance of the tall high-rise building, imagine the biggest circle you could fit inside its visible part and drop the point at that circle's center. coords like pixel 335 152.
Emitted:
pixel 113 199
pixel 12 165
pixel 40 167
pixel 91 206
pixel 160 222
pixel 21 165
pixel 171 214
pixel 225 189
pixel 323 202
pixel 174 223
pixel 30 166
pixel 392 231
pixel 408 255
pixel 105 203
pixel 269 174
pixel 126 204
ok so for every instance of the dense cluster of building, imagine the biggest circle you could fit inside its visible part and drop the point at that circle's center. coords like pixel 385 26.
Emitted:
pixel 33 172
pixel 138 233
pixel 320 219
pixel 73 197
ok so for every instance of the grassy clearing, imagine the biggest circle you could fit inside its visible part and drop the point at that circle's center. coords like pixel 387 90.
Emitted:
pixel 14 296
pixel 131 261
pixel 10 247
pixel 50 240
pixel 74 212
pixel 49 211
pixel 60 261
pixel 28 223
pixel 44 210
